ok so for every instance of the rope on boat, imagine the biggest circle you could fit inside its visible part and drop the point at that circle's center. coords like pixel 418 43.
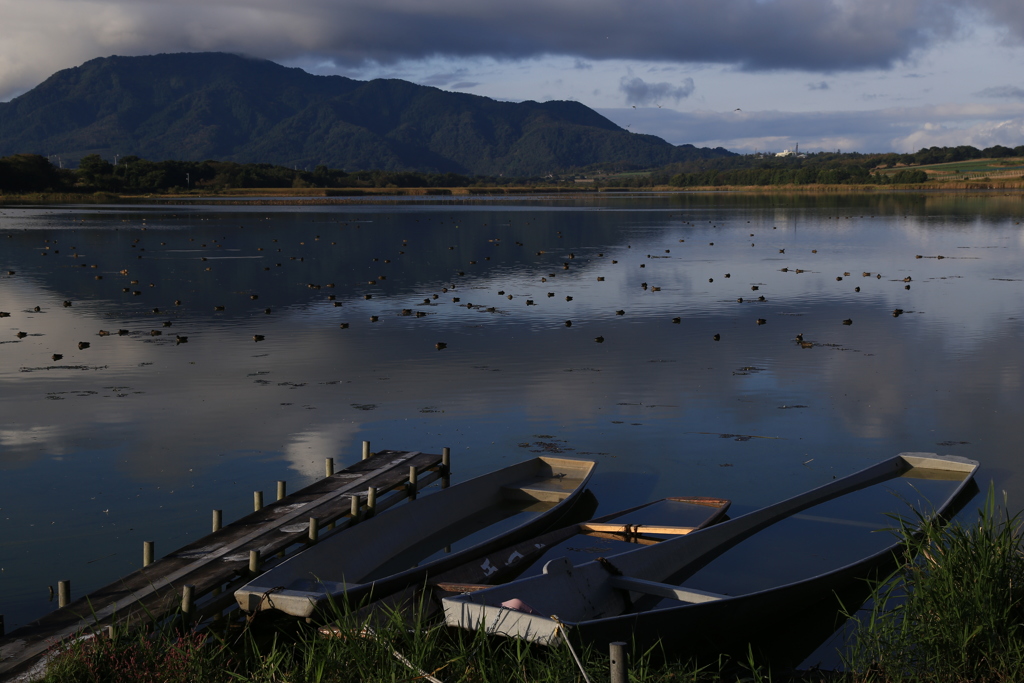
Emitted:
pixel 560 627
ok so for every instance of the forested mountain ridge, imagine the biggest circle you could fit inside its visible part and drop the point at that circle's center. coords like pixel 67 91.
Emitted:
pixel 196 106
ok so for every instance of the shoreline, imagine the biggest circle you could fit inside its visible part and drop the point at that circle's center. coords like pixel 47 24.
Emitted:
pixel 288 196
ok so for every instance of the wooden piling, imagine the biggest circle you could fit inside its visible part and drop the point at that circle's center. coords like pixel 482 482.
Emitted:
pixel 617 654
pixel 446 467
pixel 314 529
pixel 366 450
pixel 355 509
pixel 148 549
pixel 63 593
pixel 188 600
pixel 329 467
pixel 371 501
pixel 218 519
pixel 281 489
pixel 412 482
pixel 254 561
pixel 257 501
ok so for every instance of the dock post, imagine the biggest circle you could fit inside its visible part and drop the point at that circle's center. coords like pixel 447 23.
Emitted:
pixel 148 548
pixel 254 561
pixel 371 501
pixel 329 467
pixel 281 489
pixel 446 467
pixel 188 597
pixel 355 508
pixel 63 593
pixel 218 519
pixel 314 529
pixel 108 632
pixel 366 450
pixel 257 501
pixel 617 653
pixel 412 482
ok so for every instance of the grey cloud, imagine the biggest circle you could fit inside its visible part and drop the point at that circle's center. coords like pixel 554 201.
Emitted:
pixel 824 36
pixel 462 85
pixel 1009 92
pixel 822 85
pixel 638 91
pixel 582 65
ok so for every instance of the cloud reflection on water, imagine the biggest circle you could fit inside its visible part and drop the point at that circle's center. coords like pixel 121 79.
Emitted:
pixel 173 430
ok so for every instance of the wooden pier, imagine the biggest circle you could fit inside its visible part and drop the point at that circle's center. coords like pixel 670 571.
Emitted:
pixel 198 580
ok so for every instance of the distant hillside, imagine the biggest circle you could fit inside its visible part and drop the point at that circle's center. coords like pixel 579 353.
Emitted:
pixel 201 106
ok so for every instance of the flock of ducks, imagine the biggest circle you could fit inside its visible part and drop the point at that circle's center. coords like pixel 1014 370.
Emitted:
pixel 134 288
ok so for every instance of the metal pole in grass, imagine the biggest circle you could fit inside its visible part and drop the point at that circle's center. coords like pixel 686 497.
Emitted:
pixel 617 657
pixel 446 467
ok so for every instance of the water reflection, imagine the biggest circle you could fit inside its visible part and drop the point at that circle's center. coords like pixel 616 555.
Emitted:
pixel 137 437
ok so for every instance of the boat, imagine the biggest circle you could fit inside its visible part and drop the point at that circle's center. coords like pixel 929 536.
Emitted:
pixel 643 525
pixel 726 582
pixel 401 547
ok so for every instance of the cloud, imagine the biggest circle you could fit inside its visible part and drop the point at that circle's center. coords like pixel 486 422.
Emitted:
pixel 822 85
pixel 823 36
pixel 638 91
pixel 1003 91
pixel 899 129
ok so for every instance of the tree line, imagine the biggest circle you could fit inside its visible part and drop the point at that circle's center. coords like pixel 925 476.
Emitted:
pixel 26 173
pixel 33 173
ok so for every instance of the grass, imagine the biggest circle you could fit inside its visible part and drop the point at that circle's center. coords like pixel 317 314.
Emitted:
pixel 953 612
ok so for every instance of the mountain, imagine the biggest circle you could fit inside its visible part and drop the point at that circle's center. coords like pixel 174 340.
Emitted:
pixel 198 106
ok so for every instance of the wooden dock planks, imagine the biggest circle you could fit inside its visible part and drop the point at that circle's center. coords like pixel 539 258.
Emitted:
pixel 214 563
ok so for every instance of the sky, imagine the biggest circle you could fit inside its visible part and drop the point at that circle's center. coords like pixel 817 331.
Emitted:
pixel 747 75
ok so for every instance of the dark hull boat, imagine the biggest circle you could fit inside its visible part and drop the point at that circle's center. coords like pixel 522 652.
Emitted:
pixel 403 546
pixel 729 580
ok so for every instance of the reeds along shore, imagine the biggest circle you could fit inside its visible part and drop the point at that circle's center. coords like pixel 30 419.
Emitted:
pixel 952 612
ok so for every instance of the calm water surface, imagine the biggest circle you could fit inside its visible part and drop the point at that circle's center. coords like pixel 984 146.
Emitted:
pixel 137 437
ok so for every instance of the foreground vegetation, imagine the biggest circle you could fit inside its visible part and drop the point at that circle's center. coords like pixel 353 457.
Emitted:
pixel 952 612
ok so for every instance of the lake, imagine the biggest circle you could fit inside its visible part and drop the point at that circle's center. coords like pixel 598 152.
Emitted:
pixel 681 372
